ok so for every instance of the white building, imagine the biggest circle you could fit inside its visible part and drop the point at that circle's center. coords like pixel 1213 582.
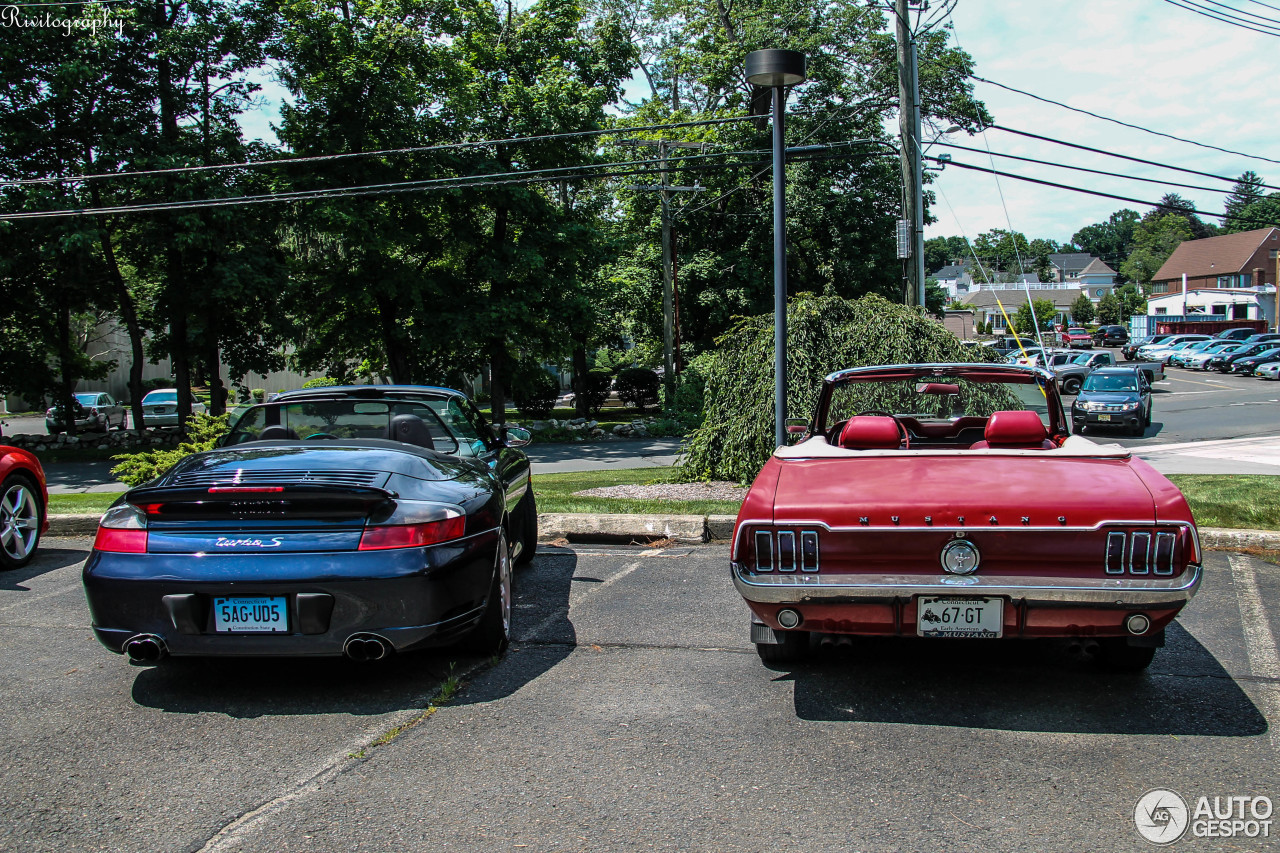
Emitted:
pixel 1233 303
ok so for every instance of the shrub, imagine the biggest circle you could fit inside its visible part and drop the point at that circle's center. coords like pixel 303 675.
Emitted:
pixel 824 334
pixel 685 405
pixel 639 386
pixel 259 395
pixel 156 383
pixel 320 382
pixel 534 390
pixel 203 432
pixel 599 385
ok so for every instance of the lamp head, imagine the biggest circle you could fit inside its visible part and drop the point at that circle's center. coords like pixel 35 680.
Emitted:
pixel 776 67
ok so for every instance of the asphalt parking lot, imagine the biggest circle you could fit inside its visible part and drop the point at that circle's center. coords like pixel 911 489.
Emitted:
pixel 631 714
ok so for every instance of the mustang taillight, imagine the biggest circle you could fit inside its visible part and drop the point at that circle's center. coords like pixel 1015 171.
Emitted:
pixel 1141 552
pixel 122 529
pixel 414 524
pixel 785 550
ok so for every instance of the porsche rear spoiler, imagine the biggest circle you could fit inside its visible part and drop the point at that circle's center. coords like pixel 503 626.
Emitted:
pixel 278 501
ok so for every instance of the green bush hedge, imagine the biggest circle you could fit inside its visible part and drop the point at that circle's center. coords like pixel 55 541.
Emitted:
pixel 824 334
pixel 534 391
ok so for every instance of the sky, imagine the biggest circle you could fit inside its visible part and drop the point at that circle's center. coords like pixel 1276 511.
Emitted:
pixel 1146 62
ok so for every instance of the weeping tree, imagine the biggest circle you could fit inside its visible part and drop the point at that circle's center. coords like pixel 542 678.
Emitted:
pixel 824 334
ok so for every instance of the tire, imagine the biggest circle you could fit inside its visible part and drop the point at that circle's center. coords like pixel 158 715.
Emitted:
pixel 20 516
pixel 493 633
pixel 1138 429
pixel 1071 385
pixel 1115 654
pixel 527 512
pixel 124 421
pixel 794 646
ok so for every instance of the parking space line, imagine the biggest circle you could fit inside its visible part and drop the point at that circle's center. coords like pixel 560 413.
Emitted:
pixel 551 618
pixel 1259 642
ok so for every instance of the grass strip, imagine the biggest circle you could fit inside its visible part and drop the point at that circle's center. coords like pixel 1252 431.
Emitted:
pixel 1217 500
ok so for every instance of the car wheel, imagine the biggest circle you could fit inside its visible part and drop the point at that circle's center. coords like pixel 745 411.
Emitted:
pixel 1115 654
pixel 1138 429
pixel 1146 419
pixel 1071 386
pixel 20 516
pixel 492 635
pixel 124 421
pixel 791 646
pixel 527 512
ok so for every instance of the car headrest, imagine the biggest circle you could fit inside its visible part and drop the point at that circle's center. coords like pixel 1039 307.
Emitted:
pixel 411 429
pixel 277 432
pixel 1022 429
pixel 870 432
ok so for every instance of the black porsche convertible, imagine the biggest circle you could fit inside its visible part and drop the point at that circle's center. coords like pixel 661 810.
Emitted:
pixel 352 520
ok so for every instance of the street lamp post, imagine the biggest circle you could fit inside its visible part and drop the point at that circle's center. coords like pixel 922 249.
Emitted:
pixel 777 69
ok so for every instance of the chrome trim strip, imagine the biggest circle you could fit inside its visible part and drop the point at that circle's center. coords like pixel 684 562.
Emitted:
pixel 1117 592
pixel 960 528
pixel 1119 553
pixel 807 536
pixel 790 534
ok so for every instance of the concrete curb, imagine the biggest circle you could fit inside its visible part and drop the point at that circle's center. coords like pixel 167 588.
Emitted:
pixel 688 528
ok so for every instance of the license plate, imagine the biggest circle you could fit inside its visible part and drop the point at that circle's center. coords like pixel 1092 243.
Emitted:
pixel 1104 418
pixel 954 616
pixel 257 614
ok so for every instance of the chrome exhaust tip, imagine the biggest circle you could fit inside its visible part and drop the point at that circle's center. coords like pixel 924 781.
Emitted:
pixel 367 647
pixel 145 648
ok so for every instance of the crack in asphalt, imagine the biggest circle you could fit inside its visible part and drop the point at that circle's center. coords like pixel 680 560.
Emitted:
pixel 343 761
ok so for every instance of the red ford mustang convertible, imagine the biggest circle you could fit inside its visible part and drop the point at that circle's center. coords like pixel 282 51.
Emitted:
pixel 948 500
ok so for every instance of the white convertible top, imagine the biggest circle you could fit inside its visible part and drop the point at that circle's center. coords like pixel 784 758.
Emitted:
pixel 1075 447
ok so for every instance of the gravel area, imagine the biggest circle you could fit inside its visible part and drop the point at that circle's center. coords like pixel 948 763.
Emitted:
pixel 713 491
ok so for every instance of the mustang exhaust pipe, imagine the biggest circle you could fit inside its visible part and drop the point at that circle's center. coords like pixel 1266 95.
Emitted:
pixel 145 648
pixel 367 647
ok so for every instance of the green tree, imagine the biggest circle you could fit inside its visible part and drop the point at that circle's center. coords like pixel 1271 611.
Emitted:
pixel 1154 239
pixel 1045 313
pixel 1082 310
pixel 1247 190
pixel 1174 203
pixel 1110 240
pixel 945 251
pixel 1109 309
pixel 1262 213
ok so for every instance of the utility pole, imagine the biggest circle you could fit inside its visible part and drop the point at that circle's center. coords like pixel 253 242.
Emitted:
pixel 668 286
pixel 909 131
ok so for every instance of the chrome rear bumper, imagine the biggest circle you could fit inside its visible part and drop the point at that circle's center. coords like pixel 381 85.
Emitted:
pixel 1148 592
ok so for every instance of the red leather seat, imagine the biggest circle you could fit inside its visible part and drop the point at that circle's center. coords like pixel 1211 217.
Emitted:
pixel 871 432
pixel 1015 431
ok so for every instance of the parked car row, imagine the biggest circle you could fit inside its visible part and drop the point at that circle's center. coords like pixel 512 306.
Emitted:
pixel 100 412
pixel 1229 352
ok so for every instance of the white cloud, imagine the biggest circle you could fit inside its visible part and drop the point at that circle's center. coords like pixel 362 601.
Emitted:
pixel 1145 62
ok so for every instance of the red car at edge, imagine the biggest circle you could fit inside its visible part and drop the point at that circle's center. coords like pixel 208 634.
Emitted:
pixel 24 499
pixel 950 501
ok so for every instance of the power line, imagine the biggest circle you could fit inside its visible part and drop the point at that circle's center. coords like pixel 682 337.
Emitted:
pixel 289 161
pixel 466 182
pixel 1122 156
pixel 1124 123
pixel 1099 193
pixel 1102 172
pixel 1215 16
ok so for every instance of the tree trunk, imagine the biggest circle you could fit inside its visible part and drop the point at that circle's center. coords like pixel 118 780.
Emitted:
pixel 128 313
pixel 498 343
pixel 581 380
pixel 398 361
pixel 66 401
pixel 217 392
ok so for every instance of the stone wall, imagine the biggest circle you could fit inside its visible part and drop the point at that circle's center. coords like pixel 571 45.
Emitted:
pixel 121 441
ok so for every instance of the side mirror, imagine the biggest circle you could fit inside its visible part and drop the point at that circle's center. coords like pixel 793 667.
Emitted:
pixel 517 436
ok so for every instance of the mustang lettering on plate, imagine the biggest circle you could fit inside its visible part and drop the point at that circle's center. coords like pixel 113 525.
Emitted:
pixel 949 501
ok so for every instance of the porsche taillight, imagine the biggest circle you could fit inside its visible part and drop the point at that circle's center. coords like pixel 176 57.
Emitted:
pixel 123 530
pixel 413 524
pixel 784 550
pixel 1146 552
